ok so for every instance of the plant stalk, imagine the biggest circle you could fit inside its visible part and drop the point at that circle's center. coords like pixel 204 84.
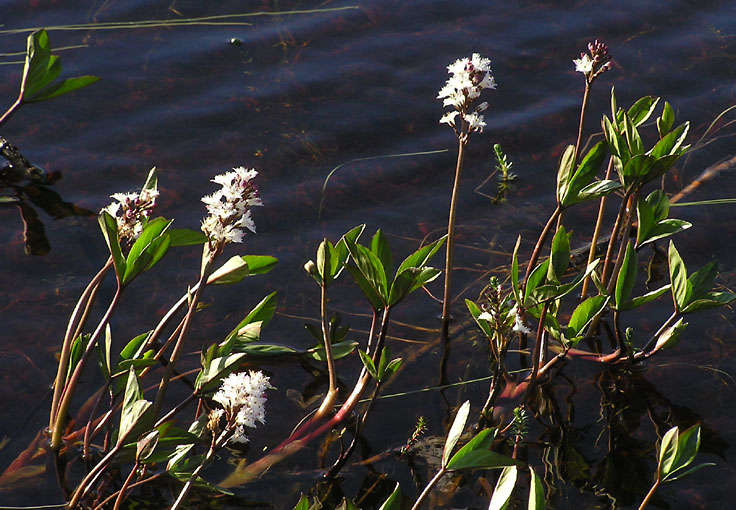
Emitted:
pixel 447 295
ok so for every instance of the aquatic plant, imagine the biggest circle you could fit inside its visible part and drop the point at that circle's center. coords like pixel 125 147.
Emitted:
pixel 145 438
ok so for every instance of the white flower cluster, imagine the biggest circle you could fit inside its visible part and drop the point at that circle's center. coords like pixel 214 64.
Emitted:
pixel 130 211
pixel 229 207
pixel 242 397
pixel 469 77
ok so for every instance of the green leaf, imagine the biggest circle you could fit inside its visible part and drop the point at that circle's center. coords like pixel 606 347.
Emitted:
pixel 218 368
pixel 515 271
pixel 369 291
pixel 585 173
pixel 681 474
pixel 339 350
pixel 266 350
pixel 134 406
pixel 148 249
pixel 504 488
pixel 303 503
pixel 546 293
pixel 711 300
pixel 474 454
pixel 596 190
pixel 626 276
pixel 64 87
pixel 394 500
pixel 536 492
pixel 688 444
pixel 422 256
pixel 480 459
pixel 410 280
pixel 103 354
pixel 671 144
pixel 670 336
pixel 186 237
pixel 646 298
pixel 372 270
pixel 338 259
pixel 584 315
pixel 640 111
pixel 664 228
pixel 701 281
pixel 456 429
pixel 323 262
pixel 536 278
pixel 667 452
pixel 262 312
pixel 678 278
pixel 665 121
pixel 134 348
pixel 368 364
pixel 240 267
pixel 346 504
pixel 482 323
pixel 633 139
pixel 560 255
pixel 565 172
pixel 379 246
pixel 616 143
pixel 41 69
pixel 79 345
pixel 109 227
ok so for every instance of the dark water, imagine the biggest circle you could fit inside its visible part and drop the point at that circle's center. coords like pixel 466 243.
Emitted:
pixel 303 93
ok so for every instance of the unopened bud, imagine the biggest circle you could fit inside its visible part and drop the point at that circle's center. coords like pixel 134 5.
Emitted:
pixel 310 267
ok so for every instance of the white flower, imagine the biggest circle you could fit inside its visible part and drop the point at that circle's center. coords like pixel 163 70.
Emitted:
pixel 469 77
pixel 229 207
pixel 475 121
pixel 449 118
pixel 243 397
pixel 519 325
pixel 131 210
pixel 584 64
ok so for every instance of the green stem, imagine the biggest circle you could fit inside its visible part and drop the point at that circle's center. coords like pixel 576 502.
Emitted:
pixel 447 296
pixel 596 232
pixel 75 323
pixel 176 352
pixel 612 240
pixel 649 495
pixel 210 453
pixel 537 356
pixel 329 400
pixel 538 247
pixel 428 488
pixel 71 385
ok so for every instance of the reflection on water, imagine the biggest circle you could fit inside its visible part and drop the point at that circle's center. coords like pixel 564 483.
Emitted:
pixel 303 94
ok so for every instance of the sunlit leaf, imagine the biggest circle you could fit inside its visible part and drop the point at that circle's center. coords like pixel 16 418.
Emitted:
pixel 262 312
pixel 640 111
pixel 626 276
pixel 240 267
pixel 536 492
pixel 643 299
pixel 560 255
pixel 380 247
pixel 583 315
pixel 368 364
pixel 109 227
pixel 670 336
pixel 218 368
pixel 665 121
pixel 456 429
pixel 394 500
pixel 678 278
pixel 303 503
pixel 668 452
pixel 504 488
